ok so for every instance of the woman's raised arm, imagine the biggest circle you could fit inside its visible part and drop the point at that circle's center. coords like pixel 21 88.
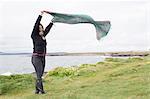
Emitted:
pixel 36 26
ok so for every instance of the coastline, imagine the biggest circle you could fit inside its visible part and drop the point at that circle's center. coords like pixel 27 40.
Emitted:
pixel 101 54
pixel 113 54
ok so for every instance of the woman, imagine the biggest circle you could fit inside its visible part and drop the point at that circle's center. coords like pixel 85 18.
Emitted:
pixel 39 51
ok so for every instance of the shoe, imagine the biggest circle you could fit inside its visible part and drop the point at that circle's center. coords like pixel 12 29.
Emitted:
pixel 42 92
pixel 36 92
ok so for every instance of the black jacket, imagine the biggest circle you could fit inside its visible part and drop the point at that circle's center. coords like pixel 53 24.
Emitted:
pixel 39 45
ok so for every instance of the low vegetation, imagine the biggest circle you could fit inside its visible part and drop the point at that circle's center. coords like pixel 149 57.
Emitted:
pixel 115 78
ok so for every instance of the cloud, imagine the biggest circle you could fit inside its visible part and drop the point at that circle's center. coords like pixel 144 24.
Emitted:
pixel 129 28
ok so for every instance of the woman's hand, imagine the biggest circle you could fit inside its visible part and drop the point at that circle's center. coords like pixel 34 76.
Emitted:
pixel 47 11
pixel 42 12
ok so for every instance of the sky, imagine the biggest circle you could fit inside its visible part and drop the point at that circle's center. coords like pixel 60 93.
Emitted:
pixel 129 25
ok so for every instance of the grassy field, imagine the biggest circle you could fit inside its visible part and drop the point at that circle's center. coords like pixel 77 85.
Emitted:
pixel 115 78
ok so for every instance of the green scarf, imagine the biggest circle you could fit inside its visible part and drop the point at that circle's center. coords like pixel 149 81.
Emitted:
pixel 102 27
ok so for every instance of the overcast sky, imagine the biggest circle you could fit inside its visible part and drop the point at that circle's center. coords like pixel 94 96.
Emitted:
pixel 129 31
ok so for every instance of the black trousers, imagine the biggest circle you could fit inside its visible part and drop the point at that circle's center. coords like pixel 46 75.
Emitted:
pixel 39 65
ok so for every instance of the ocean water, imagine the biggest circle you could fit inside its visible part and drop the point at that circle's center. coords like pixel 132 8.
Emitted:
pixel 20 64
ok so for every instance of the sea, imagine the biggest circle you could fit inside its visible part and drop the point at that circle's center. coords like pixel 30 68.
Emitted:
pixel 21 64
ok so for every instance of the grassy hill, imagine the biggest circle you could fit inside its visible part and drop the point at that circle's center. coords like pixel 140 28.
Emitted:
pixel 114 78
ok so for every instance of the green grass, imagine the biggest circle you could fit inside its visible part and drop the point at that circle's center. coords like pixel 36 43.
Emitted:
pixel 115 78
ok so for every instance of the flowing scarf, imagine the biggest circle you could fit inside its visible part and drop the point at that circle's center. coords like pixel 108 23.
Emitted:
pixel 102 27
